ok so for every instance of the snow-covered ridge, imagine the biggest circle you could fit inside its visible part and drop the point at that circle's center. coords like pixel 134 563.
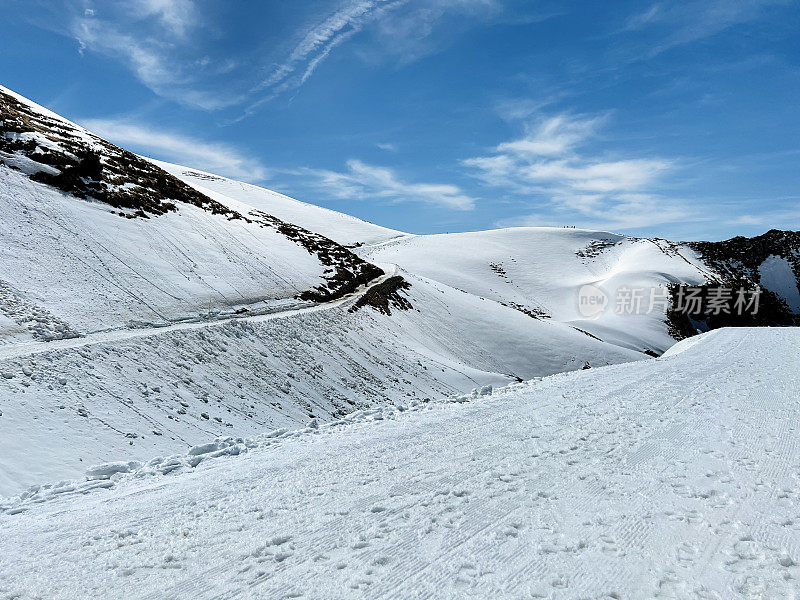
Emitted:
pixel 240 196
pixel 542 272
pixel 59 153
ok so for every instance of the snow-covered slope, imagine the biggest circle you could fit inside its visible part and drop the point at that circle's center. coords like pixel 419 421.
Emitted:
pixel 542 270
pixel 145 307
pixel 93 270
pixel 669 478
pixel 132 394
pixel 339 227
pixel 95 238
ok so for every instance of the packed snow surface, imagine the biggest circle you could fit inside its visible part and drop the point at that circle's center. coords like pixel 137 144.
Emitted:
pixel 676 477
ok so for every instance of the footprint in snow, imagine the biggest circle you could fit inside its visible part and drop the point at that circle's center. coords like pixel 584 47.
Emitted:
pixel 687 553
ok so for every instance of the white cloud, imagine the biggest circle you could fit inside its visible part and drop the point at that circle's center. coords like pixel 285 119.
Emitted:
pixel 192 152
pixel 364 181
pixel 144 59
pixel 152 38
pixel 522 109
pixel 749 220
pixel 553 137
pixel 688 22
pixel 602 177
pixel 409 34
pixel 317 42
pixel 651 15
pixel 176 16
pixel 781 217
pixel 551 161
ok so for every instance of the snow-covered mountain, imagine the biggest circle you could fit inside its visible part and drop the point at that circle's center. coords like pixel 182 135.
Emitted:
pixel 641 480
pixel 541 271
pixel 96 238
pixel 146 307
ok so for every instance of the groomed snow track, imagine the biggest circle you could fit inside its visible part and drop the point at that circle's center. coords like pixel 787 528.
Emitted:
pixel 670 478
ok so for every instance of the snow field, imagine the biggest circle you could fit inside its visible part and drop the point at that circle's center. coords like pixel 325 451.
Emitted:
pixel 113 398
pixel 652 479
pixel 542 269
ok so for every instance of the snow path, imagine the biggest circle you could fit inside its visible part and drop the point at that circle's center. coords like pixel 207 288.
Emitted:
pixel 675 477
pixel 30 348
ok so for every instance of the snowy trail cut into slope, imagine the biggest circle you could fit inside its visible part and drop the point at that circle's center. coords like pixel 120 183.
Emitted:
pixel 31 348
pixel 670 478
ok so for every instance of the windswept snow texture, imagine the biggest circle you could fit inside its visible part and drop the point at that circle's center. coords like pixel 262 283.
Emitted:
pixel 670 478
pixel 541 270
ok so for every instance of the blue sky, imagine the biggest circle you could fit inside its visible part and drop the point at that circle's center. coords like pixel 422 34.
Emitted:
pixel 672 119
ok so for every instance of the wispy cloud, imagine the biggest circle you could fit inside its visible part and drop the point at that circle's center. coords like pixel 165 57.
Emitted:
pixel 786 213
pixel 363 181
pixel 552 137
pixel 674 24
pixel 146 62
pixel 523 109
pixel 177 16
pixel 154 39
pixel 165 44
pixel 551 161
pixel 209 156
pixel 634 212
pixel 416 31
pixel 316 44
pixel 403 32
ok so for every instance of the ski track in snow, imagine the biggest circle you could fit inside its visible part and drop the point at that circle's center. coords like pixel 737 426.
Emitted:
pixel 675 477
